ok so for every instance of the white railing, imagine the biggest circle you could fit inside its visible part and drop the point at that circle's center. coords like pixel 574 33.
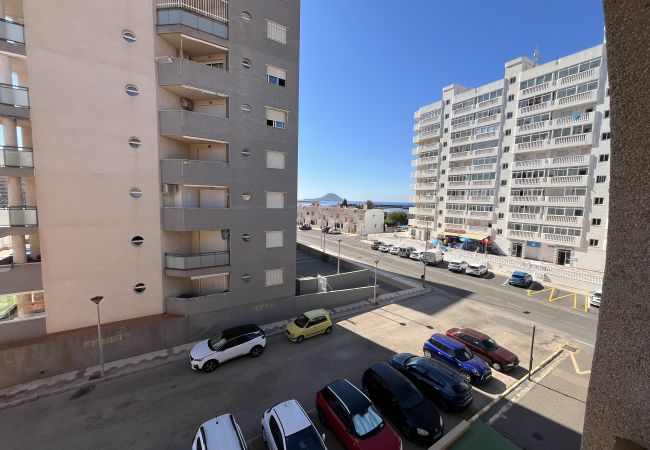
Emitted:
pixel 423 210
pixel 564 239
pixel 458 183
pixel 575 159
pixel 479 167
pixel 481 213
pixel 530 145
pixel 565 199
pixel 585 96
pixel 459 126
pixel 563 219
pixel 424 186
pixel 485 151
pixel 578 76
pixel 455 212
pixel 422 199
pixel 492 101
pixel 573 119
pixel 479 228
pixel 571 139
pixel 530 163
pixel 427 160
pixel 535 126
pixel 214 9
pixel 522 234
pixel 276 32
pixel 571 179
pixel 489 134
pixel 531 108
pixel 481 198
pixel 563 160
pixel 460 155
pixel 462 139
pixel 538 88
pixel 461 110
pixel 487 118
pixel 482 182
pixel 460 169
pixel 527 199
pixel 524 216
pixel 456 198
pixel 527 181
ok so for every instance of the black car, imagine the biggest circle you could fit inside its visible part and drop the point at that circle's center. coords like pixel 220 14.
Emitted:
pixel 305 226
pixel 326 229
pixel 447 388
pixel 402 403
pixel 375 245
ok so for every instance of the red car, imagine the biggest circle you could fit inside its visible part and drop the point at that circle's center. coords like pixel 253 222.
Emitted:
pixel 353 418
pixel 484 346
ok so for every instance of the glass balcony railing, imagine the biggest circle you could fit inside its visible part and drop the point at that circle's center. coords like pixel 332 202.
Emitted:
pixel 16 157
pixel 196 260
pixel 12 31
pixel 14 95
pixel 18 216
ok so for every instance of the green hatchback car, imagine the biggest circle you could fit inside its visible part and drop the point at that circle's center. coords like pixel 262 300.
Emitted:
pixel 309 324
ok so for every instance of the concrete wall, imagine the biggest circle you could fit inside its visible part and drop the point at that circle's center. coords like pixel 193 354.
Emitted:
pixel 349 280
pixel 20 278
pixel 617 407
pixel 18 330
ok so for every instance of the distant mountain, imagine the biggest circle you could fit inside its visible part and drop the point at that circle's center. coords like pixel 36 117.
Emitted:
pixel 329 197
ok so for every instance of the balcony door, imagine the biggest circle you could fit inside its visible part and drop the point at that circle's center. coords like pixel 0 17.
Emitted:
pixel 213 284
pixel 213 198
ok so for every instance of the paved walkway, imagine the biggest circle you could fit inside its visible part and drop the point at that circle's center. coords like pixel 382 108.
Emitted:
pixel 481 436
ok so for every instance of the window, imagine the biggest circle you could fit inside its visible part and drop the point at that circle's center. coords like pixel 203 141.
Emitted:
pixel 444 158
pixel 603 158
pixel 574 90
pixel 607 92
pixel 509 115
pixel 504 182
pixel 501 215
pixel 578 68
pixel 246 237
pixel 274 239
pixel 135 142
pixel 246 16
pixel 502 199
pixel 135 192
pixel 536 100
pixel 246 107
pixel 511 97
pixel 464 104
pixel 131 90
pixel 246 196
pixel 446 130
pixel 129 36
pixel 489 96
pixel 499 231
pixel 599 200
pixel 601 178
pixel 246 152
pixel 444 144
pixel 447 115
pixel 276 76
pixel 593 242
pixel 246 63
pixel 276 32
pixel 513 80
pixel 596 221
pixel 504 165
pixel 275 200
pixel 274 277
pixel 276 433
pixel 506 149
pixel 446 103
pixel 543 117
pixel 443 171
pixel 137 241
pixel 508 132
pixel 607 114
pixel 442 185
pixel 606 136
pixel 536 81
pixel 276 118
pixel 139 288
pixel 275 160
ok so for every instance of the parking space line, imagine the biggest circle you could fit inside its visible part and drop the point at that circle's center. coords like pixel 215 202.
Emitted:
pixel 575 366
pixel 505 282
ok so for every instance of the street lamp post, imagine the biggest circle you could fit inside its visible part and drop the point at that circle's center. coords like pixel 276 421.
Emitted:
pixel 424 257
pixel 375 286
pixel 338 261
pixel 96 301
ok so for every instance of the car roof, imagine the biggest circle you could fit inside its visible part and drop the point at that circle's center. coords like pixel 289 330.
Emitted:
pixel 475 265
pixel 389 374
pixel 220 432
pixel 456 261
pixel 292 417
pixel 315 313
pixel 474 333
pixel 519 274
pixel 353 399
pixel 240 330
pixel 440 367
pixel 449 342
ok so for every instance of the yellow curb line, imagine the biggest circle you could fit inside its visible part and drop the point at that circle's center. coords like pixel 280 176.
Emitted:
pixel 513 386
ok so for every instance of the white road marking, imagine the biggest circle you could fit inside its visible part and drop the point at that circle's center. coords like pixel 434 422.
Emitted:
pixel 513 304
pixel 583 342
pixel 575 366
pixel 505 282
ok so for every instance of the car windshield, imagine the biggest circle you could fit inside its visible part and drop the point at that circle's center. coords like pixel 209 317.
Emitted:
pixel 463 354
pixel 490 344
pixel 368 423
pixel 216 343
pixel 409 398
pixel 305 439
pixel 518 277
pixel 301 321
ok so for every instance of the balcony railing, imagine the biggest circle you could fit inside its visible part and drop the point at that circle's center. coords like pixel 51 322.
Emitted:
pixel 577 118
pixel 527 199
pixel 196 260
pixel 492 101
pixel 583 97
pixel 455 212
pixel 460 169
pixel 527 181
pixel 539 88
pixel 12 31
pixel 568 180
pixel 460 126
pixel 481 198
pixel 462 110
pixel 214 9
pixel 560 238
pixel 14 95
pixel 456 198
pixel 460 139
pixel 578 76
pixel 478 137
pixel 527 217
pixel 480 213
pixel 571 220
pixel 533 108
pixel 575 139
pixel 422 199
pixel 530 145
pixel 487 118
pixel 16 157
pixel 560 161
pixel 18 216
pixel 565 200
pixel 485 151
pixel 460 155
pixel 535 126
pixel 459 183
pixel 522 234
pixel 483 182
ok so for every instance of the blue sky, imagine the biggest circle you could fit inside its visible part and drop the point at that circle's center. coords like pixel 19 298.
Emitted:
pixel 366 66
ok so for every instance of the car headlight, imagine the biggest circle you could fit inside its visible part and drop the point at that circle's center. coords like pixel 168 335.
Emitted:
pixel 422 432
pixel 475 372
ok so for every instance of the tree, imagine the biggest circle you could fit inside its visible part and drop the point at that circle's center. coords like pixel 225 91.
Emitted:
pixel 370 204
pixel 395 218
pixel 344 202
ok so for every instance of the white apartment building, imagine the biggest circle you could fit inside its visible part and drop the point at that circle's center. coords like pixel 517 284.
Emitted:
pixel 361 221
pixel 521 163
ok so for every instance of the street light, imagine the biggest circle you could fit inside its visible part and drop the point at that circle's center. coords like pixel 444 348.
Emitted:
pixel 338 261
pixel 375 287
pixel 96 301
pixel 424 258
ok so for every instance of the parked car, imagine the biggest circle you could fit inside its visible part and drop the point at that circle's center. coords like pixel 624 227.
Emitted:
pixel 596 298
pixel 432 257
pixel 402 403
pixel 220 433
pixel 385 248
pixel 305 227
pixel 287 426
pixel 405 252
pixel 394 249
pixel 436 380
pixel 334 231
pixel 457 265
pixel 476 269
pixel 325 229
pixel 207 355
pixel 375 245
pixel 458 356
pixel 521 279
pixel 352 417
pixel 484 346
pixel 416 255
pixel 309 324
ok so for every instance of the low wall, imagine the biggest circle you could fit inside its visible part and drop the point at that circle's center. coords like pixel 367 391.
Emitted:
pixel 18 330
pixel 333 299
pixel 348 280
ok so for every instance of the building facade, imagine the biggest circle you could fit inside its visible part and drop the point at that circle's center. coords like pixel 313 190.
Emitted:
pixel 160 140
pixel 522 161
pixel 360 221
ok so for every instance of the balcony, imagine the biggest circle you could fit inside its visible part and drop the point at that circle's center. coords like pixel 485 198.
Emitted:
pixel 566 200
pixel 424 174
pixel 534 145
pixel 519 234
pixel 197 264
pixel 18 220
pixel 14 101
pixel 462 126
pixel 575 119
pixel 459 183
pixel 527 181
pixel 491 102
pixel 194 127
pixel 191 305
pixel 582 76
pixel 456 212
pixel 12 37
pixel 487 214
pixel 577 140
pixel 193 80
pixel 537 126
pixel 199 15
pixel 422 211
pixel 458 169
pixel 20 278
pixel 488 119
pixel 525 217
pixel 461 139
pixel 527 199
pixel 197 172
pixel 484 136
pixel 427 135
pixel 537 89
pixel 575 221
pixel 484 183
pixel 578 99
pixel 484 167
pixel 460 155
pixel 422 199
pixel 456 198
pixel 16 162
pixel 560 239
pixel 181 218
pixel 460 111
pixel 426 160
pixel 424 186
pixel 572 180
pixel 539 107
pixel 482 198
pixel 563 161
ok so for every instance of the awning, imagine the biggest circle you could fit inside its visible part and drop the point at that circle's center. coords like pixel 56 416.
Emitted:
pixel 448 233
pixel 476 237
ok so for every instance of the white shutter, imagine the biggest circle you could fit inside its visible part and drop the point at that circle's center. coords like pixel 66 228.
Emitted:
pixel 274 160
pixel 276 114
pixel 276 72
pixel 275 199
pixel 274 239
pixel 276 32
pixel 274 277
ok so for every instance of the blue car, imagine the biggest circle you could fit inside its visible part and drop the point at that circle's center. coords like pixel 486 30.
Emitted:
pixel 521 279
pixel 455 354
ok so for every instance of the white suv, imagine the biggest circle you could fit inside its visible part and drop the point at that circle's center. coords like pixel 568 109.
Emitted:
pixel 220 433
pixel 286 426
pixel 457 265
pixel 476 269
pixel 233 342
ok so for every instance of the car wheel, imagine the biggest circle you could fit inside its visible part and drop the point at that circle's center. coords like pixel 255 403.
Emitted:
pixel 321 417
pixel 329 330
pixel 299 339
pixel 427 353
pixel 466 375
pixel 496 366
pixel 256 351
pixel 210 366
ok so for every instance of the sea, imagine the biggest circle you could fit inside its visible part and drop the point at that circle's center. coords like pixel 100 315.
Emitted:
pixel 393 206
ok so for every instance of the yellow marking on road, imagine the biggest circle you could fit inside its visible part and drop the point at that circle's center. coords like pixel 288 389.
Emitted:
pixel 574 295
pixel 531 292
pixel 575 365
pixel 586 303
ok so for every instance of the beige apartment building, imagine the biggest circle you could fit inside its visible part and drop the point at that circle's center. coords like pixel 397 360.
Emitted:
pixel 149 156
pixel 360 221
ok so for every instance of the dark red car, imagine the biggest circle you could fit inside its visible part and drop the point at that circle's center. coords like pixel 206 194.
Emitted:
pixel 352 417
pixel 484 346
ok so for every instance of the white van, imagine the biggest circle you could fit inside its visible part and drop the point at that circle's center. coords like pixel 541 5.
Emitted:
pixel 432 257
pixel 220 433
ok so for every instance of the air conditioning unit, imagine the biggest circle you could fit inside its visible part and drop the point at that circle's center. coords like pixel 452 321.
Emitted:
pixel 170 188
pixel 187 104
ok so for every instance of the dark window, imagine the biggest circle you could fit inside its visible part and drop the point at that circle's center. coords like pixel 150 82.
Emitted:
pixel 442 185
pixel 606 136
pixel 504 182
pixel 608 92
pixel 511 97
pixel 513 79
pixel 606 114
pixel 439 225
pixel 443 171
pixel 502 199
pixel 447 115
pixel 446 130
pixel 446 102
pixel 276 433
pixel 601 179
pixel 508 132
pixel 499 231
pixel 444 157
pixel 500 215
pixel 444 144
pixel 595 221
pixel 509 115
pixel 504 165
pixel 441 198
pixel 603 158
pixel 593 242
pixel 506 149
pixel 599 200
